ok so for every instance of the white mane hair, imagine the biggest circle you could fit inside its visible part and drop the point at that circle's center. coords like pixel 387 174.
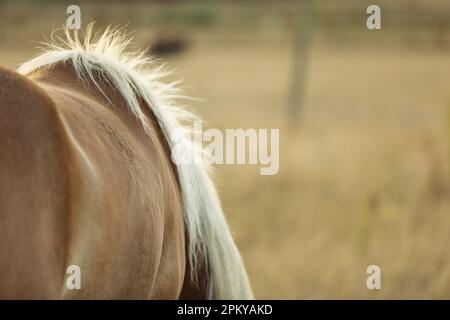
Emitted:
pixel 105 57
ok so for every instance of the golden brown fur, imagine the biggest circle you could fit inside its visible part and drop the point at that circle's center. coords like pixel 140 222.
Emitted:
pixel 82 183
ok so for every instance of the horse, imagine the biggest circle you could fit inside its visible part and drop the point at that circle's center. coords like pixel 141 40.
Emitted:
pixel 88 179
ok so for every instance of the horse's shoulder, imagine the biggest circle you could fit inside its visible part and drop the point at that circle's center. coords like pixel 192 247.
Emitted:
pixel 33 188
pixel 30 125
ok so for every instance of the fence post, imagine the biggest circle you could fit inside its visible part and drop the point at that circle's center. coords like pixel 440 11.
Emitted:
pixel 300 56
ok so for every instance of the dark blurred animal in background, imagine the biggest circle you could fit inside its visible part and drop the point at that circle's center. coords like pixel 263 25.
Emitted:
pixel 169 44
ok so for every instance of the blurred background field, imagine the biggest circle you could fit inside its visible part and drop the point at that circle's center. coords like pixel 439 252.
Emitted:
pixel 364 168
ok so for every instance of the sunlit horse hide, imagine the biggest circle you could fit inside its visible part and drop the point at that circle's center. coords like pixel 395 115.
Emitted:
pixel 87 179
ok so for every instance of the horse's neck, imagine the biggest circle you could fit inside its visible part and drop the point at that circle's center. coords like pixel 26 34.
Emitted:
pixel 63 77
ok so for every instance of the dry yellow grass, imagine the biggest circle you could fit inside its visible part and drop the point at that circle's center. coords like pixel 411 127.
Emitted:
pixel 364 179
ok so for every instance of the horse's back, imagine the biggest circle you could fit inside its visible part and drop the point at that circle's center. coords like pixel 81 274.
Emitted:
pixel 115 198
